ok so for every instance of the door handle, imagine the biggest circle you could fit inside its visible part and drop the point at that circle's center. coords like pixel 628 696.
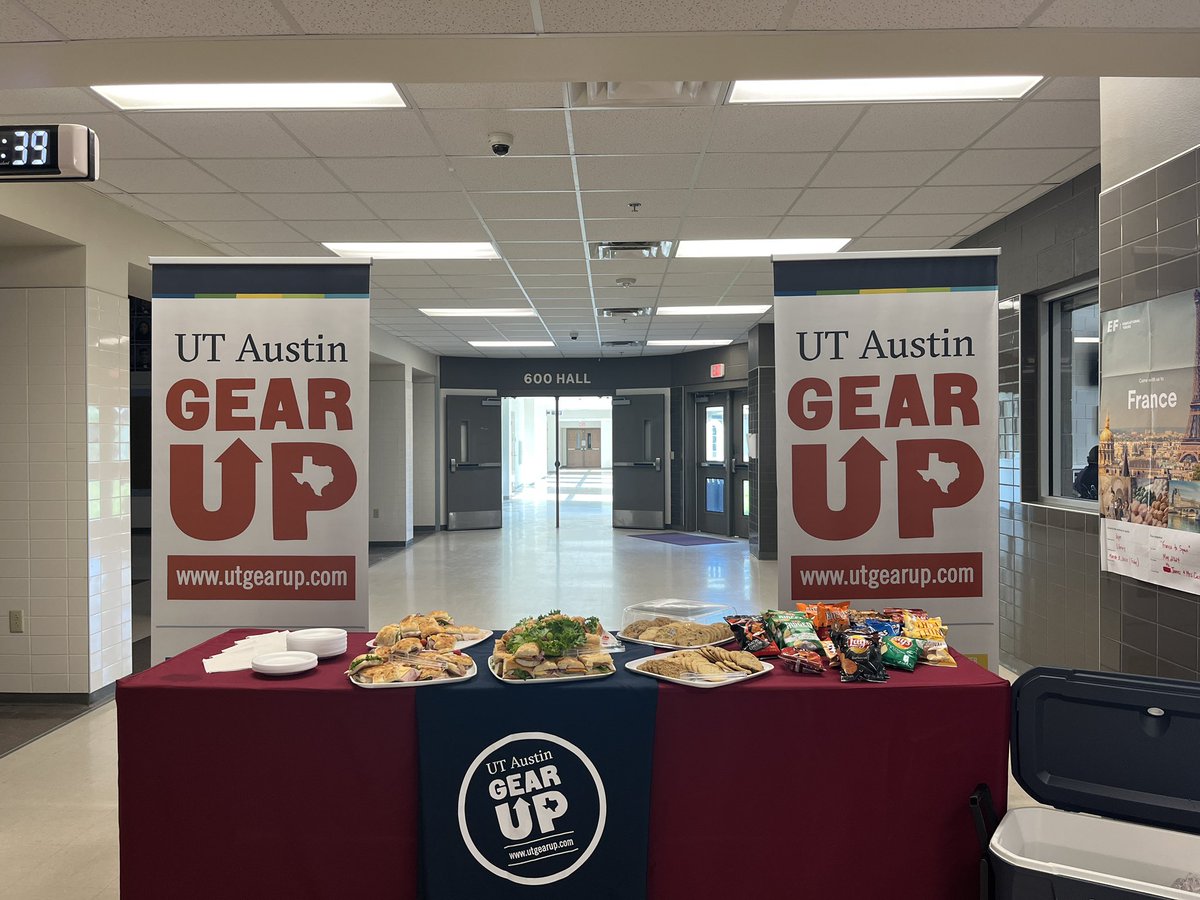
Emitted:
pixel 658 464
pixel 453 464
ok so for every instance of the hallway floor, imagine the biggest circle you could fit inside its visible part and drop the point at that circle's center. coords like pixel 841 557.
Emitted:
pixel 58 818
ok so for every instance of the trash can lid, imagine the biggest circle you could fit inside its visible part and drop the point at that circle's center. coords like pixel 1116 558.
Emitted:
pixel 1120 746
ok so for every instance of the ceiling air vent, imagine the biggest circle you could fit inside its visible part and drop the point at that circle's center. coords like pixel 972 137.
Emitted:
pixel 617 344
pixel 630 249
pixel 602 94
pixel 624 312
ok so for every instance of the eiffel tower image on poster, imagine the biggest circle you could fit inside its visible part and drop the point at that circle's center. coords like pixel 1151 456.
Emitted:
pixel 1189 447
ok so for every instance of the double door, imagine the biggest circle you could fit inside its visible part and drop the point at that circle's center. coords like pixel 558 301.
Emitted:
pixel 583 448
pixel 723 462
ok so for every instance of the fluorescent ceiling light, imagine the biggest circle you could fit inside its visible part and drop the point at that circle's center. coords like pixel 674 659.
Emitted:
pixel 511 343
pixel 690 343
pixel 754 310
pixel 507 312
pixel 884 90
pixel 359 95
pixel 760 246
pixel 414 250
pixel 1087 340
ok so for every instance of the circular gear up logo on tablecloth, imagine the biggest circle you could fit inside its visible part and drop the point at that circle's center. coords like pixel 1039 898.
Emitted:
pixel 532 808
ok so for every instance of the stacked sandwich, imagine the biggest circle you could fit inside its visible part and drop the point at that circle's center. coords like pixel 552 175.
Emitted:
pixel 551 646
pixel 435 631
pixel 407 661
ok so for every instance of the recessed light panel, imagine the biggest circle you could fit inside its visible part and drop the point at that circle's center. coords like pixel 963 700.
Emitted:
pixel 500 312
pixel 414 250
pixel 689 343
pixel 324 95
pixel 755 310
pixel 884 90
pixel 760 247
pixel 513 344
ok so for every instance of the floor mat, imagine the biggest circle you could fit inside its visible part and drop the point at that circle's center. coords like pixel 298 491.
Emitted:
pixel 23 722
pixel 679 539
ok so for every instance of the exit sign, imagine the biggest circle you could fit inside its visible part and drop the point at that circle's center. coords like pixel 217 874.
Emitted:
pixel 716 370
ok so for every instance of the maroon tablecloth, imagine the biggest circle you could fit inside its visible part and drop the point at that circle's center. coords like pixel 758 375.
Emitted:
pixel 241 786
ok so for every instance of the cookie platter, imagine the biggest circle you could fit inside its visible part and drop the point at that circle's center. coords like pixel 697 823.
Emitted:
pixel 708 667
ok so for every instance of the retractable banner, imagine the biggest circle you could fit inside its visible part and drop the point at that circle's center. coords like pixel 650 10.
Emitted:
pixel 887 422
pixel 260 412
pixel 1148 454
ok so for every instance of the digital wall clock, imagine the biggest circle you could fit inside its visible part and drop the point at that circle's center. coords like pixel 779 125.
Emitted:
pixel 48 153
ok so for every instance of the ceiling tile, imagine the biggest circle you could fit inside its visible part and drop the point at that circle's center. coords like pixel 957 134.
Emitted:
pixel 419 205
pixel 765 170
pixel 824 226
pixel 408 282
pixel 781 128
pixel 542 250
pixel 632 229
pixel 881 169
pixel 185 228
pixel 1049 123
pixel 526 204
pixel 921 226
pixel 568 272
pixel 924 126
pixel 895 243
pixel 207 207
pixel 871 15
pixel 50 101
pixel 418 173
pixel 219 135
pixel 848 201
pixel 425 295
pixel 713 283
pixel 459 267
pixel 1005 166
pixel 641 131
pixel 976 200
pixel 1027 197
pixel 606 173
pixel 310 206
pixel 978 225
pixel 159 176
pixel 1066 87
pixel 752 202
pixel 272 175
pixel 535 229
pixel 1129 14
pixel 344 230
pixel 163 18
pixel 570 16
pixel 464 132
pixel 404 267
pixel 550 173
pixel 146 209
pixel 291 249
pixel 500 95
pixel 412 16
pixel 615 204
pixel 696 227
pixel 236 233
pixel 438 230
pixel 709 264
pixel 17 26
pixel 359 132
pixel 119 138
pixel 1078 167
pixel 611 268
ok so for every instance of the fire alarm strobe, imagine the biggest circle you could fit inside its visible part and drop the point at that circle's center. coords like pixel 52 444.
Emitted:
pixel 48 153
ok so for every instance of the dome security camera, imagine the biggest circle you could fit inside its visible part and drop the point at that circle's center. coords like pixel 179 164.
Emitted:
pixel 574 335
pixel 500 142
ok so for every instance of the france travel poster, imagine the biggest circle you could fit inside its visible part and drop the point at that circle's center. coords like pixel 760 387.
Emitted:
pixel 1149 444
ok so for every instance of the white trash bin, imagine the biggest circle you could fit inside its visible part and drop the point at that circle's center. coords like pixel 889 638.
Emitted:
pixel 1118 757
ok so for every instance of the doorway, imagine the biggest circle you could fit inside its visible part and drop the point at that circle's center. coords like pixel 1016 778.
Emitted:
pixel 722 454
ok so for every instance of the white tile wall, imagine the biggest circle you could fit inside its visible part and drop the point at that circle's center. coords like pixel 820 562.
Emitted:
pixel 64 488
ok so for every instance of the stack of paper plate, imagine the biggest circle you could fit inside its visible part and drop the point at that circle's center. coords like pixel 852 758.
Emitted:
pixel 324 642
pixel 289 662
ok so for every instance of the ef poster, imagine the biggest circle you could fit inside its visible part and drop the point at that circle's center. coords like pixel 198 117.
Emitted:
pixel 1149 445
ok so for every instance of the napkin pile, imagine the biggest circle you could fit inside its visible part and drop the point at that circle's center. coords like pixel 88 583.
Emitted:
pixel 237 658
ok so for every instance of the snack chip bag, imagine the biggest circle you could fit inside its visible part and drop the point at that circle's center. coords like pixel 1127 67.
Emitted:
pixel 900 653
pixel 886 627
pixel 935 653
pixel 797 660
pixel 829 651
pixel 791 629
pixel 859 616
pixel 752 635
pixel 928 629
pixel 861 657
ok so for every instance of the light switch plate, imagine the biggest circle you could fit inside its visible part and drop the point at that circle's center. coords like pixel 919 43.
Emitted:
pixel 16 621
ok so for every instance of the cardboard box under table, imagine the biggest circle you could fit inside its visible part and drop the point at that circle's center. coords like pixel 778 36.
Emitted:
pixel 239 786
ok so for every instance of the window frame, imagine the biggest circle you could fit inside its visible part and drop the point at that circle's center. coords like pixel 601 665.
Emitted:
pixel 1046 369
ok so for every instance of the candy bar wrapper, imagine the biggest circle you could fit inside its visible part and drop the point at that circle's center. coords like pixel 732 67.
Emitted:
pixel 935 653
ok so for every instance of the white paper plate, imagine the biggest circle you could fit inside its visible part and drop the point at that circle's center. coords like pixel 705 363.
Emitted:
pixel 287 662
pixel 458 645
pixel 634 665
pixel 633 640
pixel 474 670
pixel 558 679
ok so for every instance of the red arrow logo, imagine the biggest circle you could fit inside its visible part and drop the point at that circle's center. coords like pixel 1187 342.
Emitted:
pixel 810 491
pixel 238 475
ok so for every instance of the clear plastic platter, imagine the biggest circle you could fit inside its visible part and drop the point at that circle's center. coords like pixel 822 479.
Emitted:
pixel 634 640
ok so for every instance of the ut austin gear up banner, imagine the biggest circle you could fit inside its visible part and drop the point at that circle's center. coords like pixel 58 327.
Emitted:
pixel 886 411
pixel 1148 452
pixel 259 479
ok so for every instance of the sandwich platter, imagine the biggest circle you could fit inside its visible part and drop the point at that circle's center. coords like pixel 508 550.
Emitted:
pixel 493 667
pixel 474 670
pixel 713 668
pixel 458 645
